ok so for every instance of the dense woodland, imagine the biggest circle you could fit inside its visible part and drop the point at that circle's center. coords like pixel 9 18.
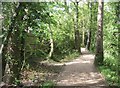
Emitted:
pixel 56 31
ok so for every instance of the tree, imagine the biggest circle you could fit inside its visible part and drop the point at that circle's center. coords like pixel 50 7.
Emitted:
pixel 76 29
pixel 23 16
pixel 51 41
pixel 7 42
pixel 99 41
pixel 1 41
pixel 89 31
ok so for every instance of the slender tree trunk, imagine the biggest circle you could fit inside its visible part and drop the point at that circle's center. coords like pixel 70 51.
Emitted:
pixel 88 39
pixel 89 31
pixel 83 38
pixel 99 41
pixel 1 42
pixel 22 52
pixel 77 34
pixel 51 42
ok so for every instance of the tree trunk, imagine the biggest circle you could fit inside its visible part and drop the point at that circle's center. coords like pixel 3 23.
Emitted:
pixel 83 38
pixel 15 66
pixel 77 34
pixel 89 31
pixel 51 42
pixel 6 42
pixel 14 46
pixel 22 52
pixel 0 41
pixel 99 41
pixel 88 39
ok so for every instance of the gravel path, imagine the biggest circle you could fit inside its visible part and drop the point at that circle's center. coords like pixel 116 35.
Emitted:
pixel 80 72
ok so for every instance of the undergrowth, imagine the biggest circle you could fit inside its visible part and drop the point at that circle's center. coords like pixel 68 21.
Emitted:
pixel 110 70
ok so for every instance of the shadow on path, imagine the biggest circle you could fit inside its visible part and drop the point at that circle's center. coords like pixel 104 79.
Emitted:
pixel 80 72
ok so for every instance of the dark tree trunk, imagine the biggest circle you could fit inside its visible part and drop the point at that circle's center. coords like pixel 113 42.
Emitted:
pixel 7 39
pixel 18 47
pixel 14 45
pixel 22 52
pixel 15 52
pixel 99 41
pixel 77 34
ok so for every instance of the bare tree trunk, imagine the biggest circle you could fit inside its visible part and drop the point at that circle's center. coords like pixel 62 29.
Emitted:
pixel 83 38
pixel 77 34
pixel 88 39
pixel 22 52
pixel 51 42
pixel 99 42
pixel 89 31
pixel 0 41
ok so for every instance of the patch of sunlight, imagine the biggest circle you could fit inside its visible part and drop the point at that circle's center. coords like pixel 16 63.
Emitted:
pixel 82 59
pixel 93 74
pixel 83 49
pixel 59 64
pixel 88 56
pixel 71 63
pixel 86 62
pixel 75 62
pixel 64 80
pixel 72 82
pixel 68 63
pixel 87 78
pixel 91 81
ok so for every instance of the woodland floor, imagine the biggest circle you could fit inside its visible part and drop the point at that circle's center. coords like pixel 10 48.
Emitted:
pixel 79 72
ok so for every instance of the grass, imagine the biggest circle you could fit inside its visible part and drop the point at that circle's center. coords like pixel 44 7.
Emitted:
pixel 110 75
pixel 48 84
pixel 65 55
pixel 70 56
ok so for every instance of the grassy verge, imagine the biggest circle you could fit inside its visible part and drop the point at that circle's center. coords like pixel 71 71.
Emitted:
pixel 70 56
pixel 48 84
pixel 110 75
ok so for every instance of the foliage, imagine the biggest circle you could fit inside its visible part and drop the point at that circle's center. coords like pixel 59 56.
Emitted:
pixel 110 67
pixel 20 21
pixel 48 84
pixel 110 75
pixel 33 25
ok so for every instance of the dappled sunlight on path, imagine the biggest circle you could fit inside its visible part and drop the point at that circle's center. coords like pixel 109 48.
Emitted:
pixel 80 71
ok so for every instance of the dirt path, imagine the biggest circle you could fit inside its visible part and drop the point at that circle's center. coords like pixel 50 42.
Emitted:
pixel 80 72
